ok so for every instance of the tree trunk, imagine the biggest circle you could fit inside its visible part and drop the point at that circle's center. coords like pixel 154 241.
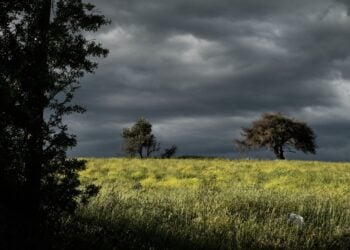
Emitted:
pixel 281 156
pixel 140 153
pixel 36 81
pixel 149 151
pixel 279 153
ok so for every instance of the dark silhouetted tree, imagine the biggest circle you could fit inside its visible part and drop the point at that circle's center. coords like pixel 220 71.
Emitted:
pixel 139 139
pixel 279 134
pixel 43 54
pixel 169 152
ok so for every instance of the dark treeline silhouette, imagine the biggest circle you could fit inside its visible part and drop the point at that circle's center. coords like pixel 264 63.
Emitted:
pixel 274 131
pixel 43 54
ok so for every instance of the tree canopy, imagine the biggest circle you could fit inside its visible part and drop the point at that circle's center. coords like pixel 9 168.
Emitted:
pixel 169 152
pixel 139 139
pixel 44 52
pixel 278 133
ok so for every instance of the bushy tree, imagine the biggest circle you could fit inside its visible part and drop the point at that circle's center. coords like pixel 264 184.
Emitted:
pixel 43 54
pixel 169 152
pixel 278 133
pixel 139 139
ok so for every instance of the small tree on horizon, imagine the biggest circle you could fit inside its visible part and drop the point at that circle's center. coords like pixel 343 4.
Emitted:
pixel 279 134
pixel 169 152
pixel 139 139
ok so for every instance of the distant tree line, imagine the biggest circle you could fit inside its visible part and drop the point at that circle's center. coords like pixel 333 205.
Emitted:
pixel 274 131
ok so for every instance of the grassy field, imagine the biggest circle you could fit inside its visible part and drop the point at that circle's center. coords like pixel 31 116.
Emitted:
pixel 215 204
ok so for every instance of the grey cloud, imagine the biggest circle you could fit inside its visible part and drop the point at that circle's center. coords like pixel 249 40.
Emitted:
pixel 190 66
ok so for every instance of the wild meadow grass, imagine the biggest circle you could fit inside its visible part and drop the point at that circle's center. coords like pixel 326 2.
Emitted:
pixel 215 204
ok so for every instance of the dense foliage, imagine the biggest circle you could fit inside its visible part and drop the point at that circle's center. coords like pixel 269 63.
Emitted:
pixel 279 134
pixel 169 152
pixel 43 54
pixel 139 140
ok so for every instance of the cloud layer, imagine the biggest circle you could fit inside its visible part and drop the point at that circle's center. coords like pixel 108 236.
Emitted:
pixel 200 70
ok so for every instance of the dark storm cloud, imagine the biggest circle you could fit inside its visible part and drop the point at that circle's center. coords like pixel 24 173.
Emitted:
pixel 199 70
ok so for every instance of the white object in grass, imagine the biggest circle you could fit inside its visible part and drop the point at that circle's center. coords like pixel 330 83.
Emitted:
pixel 296 219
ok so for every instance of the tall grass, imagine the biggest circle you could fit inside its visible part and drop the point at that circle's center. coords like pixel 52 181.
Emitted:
pixel 215 204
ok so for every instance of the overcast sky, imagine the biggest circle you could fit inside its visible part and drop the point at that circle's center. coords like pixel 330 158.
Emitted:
pixel 199 70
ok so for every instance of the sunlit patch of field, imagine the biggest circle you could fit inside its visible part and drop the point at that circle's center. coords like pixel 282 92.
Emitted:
pixel 218 203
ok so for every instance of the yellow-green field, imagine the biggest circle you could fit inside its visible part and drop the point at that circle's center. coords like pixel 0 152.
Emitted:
pixel 216 204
